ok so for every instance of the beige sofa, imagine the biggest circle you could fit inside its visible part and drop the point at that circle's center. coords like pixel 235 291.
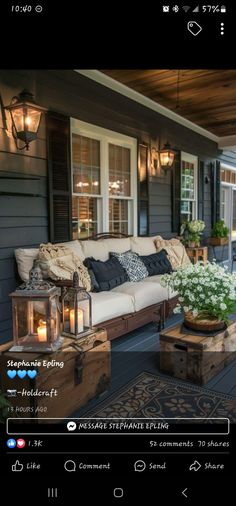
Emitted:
pixel 127 306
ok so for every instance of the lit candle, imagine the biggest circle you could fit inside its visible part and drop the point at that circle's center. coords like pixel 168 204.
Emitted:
pixel 42 331
pixel 80 320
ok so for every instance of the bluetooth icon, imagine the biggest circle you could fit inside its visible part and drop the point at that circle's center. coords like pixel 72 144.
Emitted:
pixel 175 8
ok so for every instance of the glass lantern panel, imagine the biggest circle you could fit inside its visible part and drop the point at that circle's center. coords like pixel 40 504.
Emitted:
pixel 84 305
pixel 81 311
pixel 32 119
pixel 20 311
pixel 30 322
pixel 55 319
pixel 68 306
pixel 18 118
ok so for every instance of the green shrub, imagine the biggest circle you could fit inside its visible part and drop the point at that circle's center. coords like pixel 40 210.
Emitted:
pixel 219 229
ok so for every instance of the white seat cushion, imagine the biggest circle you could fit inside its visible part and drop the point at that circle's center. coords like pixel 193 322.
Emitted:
pixel 143 294
pixel 154 279
pixel 107 305
pixel 143 245
pixel 157 279
pixel 25 259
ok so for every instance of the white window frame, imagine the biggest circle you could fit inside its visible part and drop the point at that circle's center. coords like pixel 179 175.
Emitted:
pixel 187 157
pixel 107 137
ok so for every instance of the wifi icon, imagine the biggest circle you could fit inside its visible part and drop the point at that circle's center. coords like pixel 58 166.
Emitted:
pixel 186 8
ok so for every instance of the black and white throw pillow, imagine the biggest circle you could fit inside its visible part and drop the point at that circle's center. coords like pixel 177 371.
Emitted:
pixel 132 264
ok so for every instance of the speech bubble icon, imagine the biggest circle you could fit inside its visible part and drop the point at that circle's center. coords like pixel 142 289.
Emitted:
pixel 139 466
pixel 71 426
pixel 70 466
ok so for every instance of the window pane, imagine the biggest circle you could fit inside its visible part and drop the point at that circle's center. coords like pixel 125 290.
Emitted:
pixel 86 164
pixel 118 216
pixel 223 204
pixel 187 180
pixel 119 170
pixel 84 216
pixel 188 191
pixel 186 211
pixel 222 175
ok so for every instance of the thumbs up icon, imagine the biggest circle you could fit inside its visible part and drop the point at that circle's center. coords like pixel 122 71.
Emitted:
pixel 17 466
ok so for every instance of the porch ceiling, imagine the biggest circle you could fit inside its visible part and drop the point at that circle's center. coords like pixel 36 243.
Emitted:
pixel 205 97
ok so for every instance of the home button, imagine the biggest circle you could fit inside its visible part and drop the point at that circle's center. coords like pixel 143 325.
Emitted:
pixel 118 492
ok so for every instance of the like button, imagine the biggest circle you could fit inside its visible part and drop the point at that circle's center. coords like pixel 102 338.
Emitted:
pixel 17 466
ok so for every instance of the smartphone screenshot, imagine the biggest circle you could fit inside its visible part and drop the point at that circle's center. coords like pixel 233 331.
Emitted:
pixel 118 253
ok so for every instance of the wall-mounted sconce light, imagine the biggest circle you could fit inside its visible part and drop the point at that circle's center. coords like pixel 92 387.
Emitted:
pixel 162 158
pixel 25 116
pixel 167 156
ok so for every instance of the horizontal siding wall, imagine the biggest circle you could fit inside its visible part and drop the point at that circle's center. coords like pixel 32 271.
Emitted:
pixel 228 157
pixel 160 215
pixel 23 205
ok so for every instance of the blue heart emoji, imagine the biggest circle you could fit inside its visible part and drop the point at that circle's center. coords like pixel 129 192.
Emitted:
pixel 11 373
pixel 21 374
pixel 32 374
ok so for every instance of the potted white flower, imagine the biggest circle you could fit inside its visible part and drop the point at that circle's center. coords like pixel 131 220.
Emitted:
pixel 206 294
pixel 191 232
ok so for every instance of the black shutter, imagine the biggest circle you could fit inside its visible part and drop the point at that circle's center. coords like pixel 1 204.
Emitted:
pixel 215 191
pixel 217 195
pixel 201 175
pixel 59 172
pixel 143 214
pixel 176 191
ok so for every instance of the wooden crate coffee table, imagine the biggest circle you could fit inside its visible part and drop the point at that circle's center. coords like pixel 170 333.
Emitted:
pixel 84 373
pixel 196 357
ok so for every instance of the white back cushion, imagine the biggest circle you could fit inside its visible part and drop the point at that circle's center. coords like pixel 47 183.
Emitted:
pixel 25 259
pixel 118 245
pixel 75 246
pixel 95 249
pixel 143 245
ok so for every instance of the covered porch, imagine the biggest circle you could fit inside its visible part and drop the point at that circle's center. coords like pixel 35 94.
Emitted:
pixel 134 153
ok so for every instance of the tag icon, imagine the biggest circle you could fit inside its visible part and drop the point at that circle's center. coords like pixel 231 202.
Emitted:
pixel 194 28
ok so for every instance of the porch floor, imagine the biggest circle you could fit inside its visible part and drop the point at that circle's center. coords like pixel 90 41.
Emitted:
pixel 137 352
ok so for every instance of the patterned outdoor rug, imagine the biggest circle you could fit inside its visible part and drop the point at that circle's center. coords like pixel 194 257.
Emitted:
pixel 149 396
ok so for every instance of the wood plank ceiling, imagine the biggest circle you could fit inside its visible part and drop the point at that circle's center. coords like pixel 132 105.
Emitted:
pixel 205 97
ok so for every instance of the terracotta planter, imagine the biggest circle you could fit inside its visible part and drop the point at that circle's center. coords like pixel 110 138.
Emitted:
pixel 218 241
pixel 193 244
pixel 207 324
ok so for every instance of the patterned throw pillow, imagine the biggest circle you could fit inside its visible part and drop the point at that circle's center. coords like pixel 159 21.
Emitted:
pixel 132 264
